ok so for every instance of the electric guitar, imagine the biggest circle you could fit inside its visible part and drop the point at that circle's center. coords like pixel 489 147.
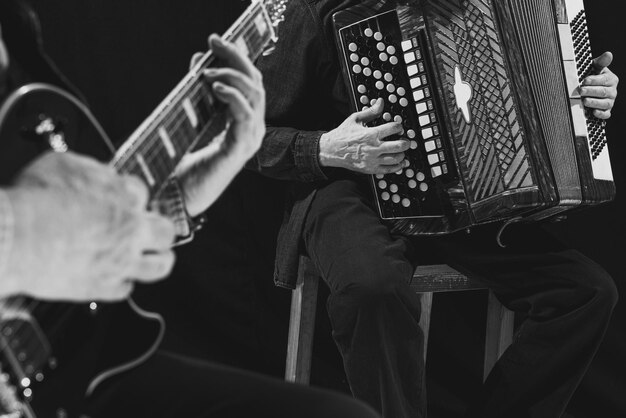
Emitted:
pixel 54 355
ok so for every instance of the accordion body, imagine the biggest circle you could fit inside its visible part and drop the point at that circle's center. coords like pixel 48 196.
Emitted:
pixel 487 93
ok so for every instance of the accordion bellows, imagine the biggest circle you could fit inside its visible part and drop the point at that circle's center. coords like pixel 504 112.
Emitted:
pixel 487 92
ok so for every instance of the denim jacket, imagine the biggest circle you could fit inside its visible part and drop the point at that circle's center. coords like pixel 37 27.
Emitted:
pixel 306 96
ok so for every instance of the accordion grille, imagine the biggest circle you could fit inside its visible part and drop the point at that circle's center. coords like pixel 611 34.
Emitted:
pixel 534 20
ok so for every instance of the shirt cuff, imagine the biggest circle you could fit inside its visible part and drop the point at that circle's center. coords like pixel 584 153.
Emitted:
pixel 306 156
pixel 171 203
pixel 7 229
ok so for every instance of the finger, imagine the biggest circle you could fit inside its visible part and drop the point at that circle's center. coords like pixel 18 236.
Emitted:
pixel 392 147
pixel 239 107
pixel 603 61
pixel 387 129
pixel 388 169
pixel 158 232
pixel 607 79
pixel 602 114
pixel 233 57
pixel 391 159
pixel 120 291
pixel 153 266
pixel 137 191
pixel 600 104
pixel 235 79
pixel 195 58
pixel 600 92
pixel 371 113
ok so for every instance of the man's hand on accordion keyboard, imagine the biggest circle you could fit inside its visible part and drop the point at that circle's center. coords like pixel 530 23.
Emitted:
pixel 600 90
pixel 356 147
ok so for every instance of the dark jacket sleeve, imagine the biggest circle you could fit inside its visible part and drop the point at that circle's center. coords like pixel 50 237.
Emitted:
pixel 301 78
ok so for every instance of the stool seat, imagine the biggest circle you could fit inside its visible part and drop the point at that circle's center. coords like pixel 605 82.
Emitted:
pixel 426 280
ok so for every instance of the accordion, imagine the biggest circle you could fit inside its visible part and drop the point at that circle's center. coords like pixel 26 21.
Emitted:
pixel 487 93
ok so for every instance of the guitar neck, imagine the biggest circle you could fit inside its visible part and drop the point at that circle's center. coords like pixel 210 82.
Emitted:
pixel 189 115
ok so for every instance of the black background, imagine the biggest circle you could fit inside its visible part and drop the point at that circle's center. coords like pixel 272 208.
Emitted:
pixel 125 56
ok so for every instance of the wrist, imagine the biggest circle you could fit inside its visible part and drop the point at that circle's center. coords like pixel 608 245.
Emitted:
pixel 325 152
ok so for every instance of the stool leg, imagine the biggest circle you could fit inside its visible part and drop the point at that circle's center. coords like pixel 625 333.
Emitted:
pixel 499 332
pixel 426 302
pixel 301 328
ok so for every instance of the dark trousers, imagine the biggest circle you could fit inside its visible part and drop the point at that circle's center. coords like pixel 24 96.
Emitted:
pixel 567 299
pixel 175 387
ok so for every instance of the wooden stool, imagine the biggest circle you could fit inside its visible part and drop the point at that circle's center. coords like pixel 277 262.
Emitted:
pixel 426 281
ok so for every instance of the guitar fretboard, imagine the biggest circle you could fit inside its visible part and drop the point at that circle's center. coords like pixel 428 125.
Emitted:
pixel 189 114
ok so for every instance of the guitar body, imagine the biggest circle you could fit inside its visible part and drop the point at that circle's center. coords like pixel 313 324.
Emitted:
pixel 54 353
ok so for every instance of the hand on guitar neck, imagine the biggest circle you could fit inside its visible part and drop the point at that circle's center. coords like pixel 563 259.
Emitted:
pixel 205 174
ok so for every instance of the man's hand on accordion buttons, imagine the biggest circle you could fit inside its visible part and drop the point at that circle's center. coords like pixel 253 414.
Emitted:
pixel 600 90
pixel 356 147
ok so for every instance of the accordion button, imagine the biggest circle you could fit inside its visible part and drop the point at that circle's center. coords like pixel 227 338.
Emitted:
pixel 393 188
pixel 424 120
pixel 401 91
pixel 391 88
pixel 367 71
pixel 380 176
pixel 409 57
pixel 353 47
pixel 361 89
pixel 356 68
pixel 420 176
pixel 406 202
pixel 433 159
pixel 436 171
pixel 424 187
pixel 383 57
pixel 418 95
pixel 365 61
pixel 388 77
pixel 430 146
pixel 364 100
pixel 391 50
pixel 416 82
pixel 406 45
pixel 421 108
pixel 382 184
pixel 378 74
pixel 412 70
pixel 385 196
pixel 409 172
pixel 412 184
pixel 354 57
pixel 368 32
pixel 427 133
pixel 378 36
pixel 387 116
pixel 404 102
pixel 398 119
pixel 413 144
pixel 393 98
pixel 395 198
pixel 393 60
pixel 381 46
pixel 380 85
pixel 410 133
